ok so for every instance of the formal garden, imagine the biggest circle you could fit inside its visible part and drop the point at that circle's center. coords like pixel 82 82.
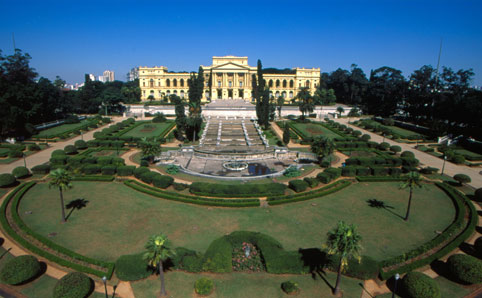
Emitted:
pixel 232 238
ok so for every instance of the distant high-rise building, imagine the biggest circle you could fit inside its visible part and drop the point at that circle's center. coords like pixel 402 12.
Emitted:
pixel 133 74
pixel 92 77
pixel 101 79
pixel 108 76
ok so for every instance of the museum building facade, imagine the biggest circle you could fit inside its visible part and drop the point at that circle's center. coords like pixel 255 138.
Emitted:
pixel 228 77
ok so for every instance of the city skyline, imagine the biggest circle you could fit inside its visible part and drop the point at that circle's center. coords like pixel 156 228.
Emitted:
pixel 73 39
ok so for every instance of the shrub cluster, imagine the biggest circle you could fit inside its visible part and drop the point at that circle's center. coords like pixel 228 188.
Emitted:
pixel 204 286
pixel 20 269
pixel 290 287
pixel 20 172
pixel 73 285
pixel 334 187
pixel 237 190
pixel 7 180
pixel 465 268
pixel 418 285
pixel 132 267
pixel 298 185
pixel 41 169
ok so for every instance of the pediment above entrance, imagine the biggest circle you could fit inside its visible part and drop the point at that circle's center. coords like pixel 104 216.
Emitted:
pixel 230 66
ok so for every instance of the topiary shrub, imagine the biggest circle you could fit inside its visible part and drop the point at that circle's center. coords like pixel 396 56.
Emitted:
pixel 139 171
pixel 162 181
pixel 20 269
pixel 57 152
pixel 458 159
pixel 323 178
pixel 20 172
pixel 465 268
pixel 70 150
pixel 365 138
pixel 292 172
pixel 73 285
pixel 204 286
pixel 91 169
pixel 408 154
pixel 125 170
pixel 298 185
pixel 7 180
pixel 15 154
pixel 144 163
pixel 108 170
pixel 132 267
pixel 478 195
pixel 348 172
pixel 172 169
pixel 429 170
pixel 462 178
pixel 104 160
pixel 148 177
pixel 290 287
pixel 384 146
pixel 395 149
pixel 218 256
pixel 41 169
pixel 34 147
pixel 312 182
pixel 80 144
pixel 418 285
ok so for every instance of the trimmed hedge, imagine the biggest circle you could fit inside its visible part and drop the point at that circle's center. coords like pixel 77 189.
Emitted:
pixel 132 267
pixel 298 185
pixel 418 285
pixel 7 180
pixel 148 177
pixel 324 177
pixel 139 171
pixel 108 170
pixel 91 169
pixel 162 181
pixel 80 144
pixel 70 150
pixel 73 285
pixel 218 256
pixel 15 197
pixel 104 178
pixel 154 191
pixel 20 172
pixel 462 178
pixel 465 268
pixel 125 170
pixel 312 182
pixel 20 269
pixel 237 190
pixel 41 169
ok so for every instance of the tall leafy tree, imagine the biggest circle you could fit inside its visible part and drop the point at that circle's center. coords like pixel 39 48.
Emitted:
pixel 261 95
pixel 286 134
pixel 305 101
pixel 158 250
pixel 357 85
pixel 279 104
pixel 344 241
pixel 412 180
pixel 61 179
pixel 150 148
pixel 196 86
pixel 323 147
pixel 386 91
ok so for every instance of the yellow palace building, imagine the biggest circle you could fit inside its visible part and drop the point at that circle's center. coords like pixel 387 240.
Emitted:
pixel 228 77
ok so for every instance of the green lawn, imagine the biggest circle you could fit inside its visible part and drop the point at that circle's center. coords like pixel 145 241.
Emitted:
pixel 108 152
pixel 148 130
pixel 181 284
pixel 60 129
pixel 402 131
pixel 469 154
pixel 314 129
pixel 118 220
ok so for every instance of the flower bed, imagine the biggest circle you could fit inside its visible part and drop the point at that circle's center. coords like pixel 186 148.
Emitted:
pixel 252 262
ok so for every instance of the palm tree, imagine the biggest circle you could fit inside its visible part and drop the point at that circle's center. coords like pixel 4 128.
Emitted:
pixel 306 104
pixel 158 250
pixel 61 178
pixel 412 180
pixel 150 149
pixel 344 241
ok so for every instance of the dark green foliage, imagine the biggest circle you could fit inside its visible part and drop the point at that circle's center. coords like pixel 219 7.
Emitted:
pixel 104 160
pixel 58 159
pixel 395 149
pixel 139 171
pixel 20 172
pixel 312 182
pixel 395 172
pixel 144 163
pixel 324 178
pixel 58 152
pixel 80 144
pixel 20 269
pixel 465 268
pixel 292 172
pixel 148 177
pixel 34 147
pixel 411 162
pixel 334 173
pixel 458 159
pixel 380 171
pixel 41 169
pixel 125 170
pixel 204 286
pixel 363 171
pixel 407 154
pixel 478 246
pixel 7 180
pixel 286 134
pixel 384 146
pixel 298 185
pixel 180 186
pixel 289 287
pixel 218 256
pixel 132 267
pixel 162 181
pixel 429 170
pixel 70 150
pixel 15 154
pixel 108 170
pixel 418 285
pixel 478 195
pixel 237 190
pixel 462 178
pixel 73 285
pixel 366 269
pixel 159 118
pixel 91 169
pixel 365 138
pixel 348 171
pixel 187 259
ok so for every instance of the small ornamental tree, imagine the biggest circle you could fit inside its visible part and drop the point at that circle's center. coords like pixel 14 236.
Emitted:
pixel 462 178
pixel 286 134
pixel 61 179
pixel 158 250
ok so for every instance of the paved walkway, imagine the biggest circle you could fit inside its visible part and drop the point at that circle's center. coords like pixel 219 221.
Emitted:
pixel 426 159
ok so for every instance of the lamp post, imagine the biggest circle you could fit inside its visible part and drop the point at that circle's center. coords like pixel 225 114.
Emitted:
pixel 443 166
pixel 397 277
pixel 104 279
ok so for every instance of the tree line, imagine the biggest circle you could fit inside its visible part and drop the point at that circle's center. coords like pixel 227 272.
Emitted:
pixel 26 101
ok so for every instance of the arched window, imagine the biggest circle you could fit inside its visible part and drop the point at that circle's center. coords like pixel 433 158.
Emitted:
pixel 277 94
pixel 307 84
pixel 270 94
pixel 182 82
pixel 292 84
pixel 175 91
pixel 291 94
pixel 277 84
pixel 283 94
pixel 168 83
pixel 151 83
pixel 284 84
pixel 143 84
pixel 168 92
pixel 182 93
pixel 174 82
pixel 271 83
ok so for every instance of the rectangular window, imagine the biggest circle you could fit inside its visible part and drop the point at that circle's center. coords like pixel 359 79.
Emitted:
pixel 240 83
pixel 219 83
pixel 230 84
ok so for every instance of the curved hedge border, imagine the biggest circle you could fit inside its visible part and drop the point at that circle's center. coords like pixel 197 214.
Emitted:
pixel 190 199
pixel 461 202
pixel 237 190
pixel 16 195
pixel 103 178
pixel 68 132
pixel 331 188
pixel 379 179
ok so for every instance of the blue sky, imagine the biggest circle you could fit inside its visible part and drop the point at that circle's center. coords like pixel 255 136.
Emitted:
pixel 72 38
